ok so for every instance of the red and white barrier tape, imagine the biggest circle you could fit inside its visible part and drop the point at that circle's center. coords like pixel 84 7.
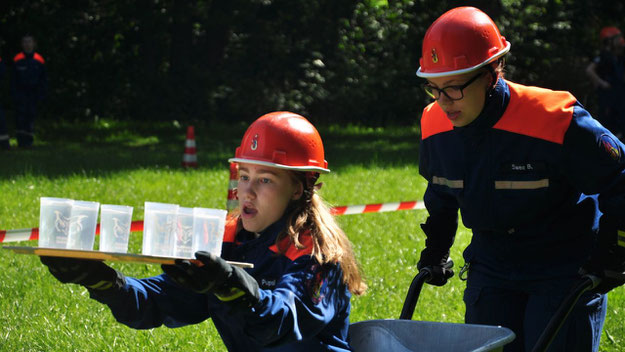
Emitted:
pixel 136 226
pixel 377 208
pixel 33 234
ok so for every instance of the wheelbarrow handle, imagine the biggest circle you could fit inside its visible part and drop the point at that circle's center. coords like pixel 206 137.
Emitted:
pixel 587 282
pixel 415 290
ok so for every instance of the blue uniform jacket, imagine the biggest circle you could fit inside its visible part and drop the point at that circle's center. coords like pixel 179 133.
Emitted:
pixel 303 306
pixel 29 80
pixel 518 174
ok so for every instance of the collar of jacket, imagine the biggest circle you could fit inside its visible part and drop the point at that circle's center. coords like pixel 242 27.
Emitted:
pixel 494 107
pixel 267 235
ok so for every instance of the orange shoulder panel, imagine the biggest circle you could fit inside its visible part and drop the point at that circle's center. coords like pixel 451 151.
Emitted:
pixel 19 57
pixel 537 112
pixel 230 231
pixel 293 252
pixel 39 58
pixel 434 121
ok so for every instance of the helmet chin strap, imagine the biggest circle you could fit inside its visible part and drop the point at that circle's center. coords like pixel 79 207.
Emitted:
pixel 310 185
pixel 494 76
pixel 311 178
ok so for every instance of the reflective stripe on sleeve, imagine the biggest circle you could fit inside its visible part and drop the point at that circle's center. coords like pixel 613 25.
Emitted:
pixel 544 183
pixel 621 238
pixel 449 183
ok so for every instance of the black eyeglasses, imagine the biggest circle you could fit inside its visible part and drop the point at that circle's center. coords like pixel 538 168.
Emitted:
pixel 451 92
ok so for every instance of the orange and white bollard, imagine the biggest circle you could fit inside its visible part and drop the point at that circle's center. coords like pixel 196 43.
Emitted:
pixel 232 202
pixel 189 159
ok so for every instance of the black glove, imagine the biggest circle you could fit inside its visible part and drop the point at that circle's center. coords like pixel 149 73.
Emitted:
pixel 93 274
pixel 214 275
pixel 439 272
pixel 440 232
pixel 607 260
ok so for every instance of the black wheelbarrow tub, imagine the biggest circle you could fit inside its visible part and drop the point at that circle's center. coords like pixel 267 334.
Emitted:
pixel 424 336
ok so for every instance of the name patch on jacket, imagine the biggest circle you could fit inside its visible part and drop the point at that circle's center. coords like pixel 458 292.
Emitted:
pixel 610 146
pixel 528 167
pixel 267 283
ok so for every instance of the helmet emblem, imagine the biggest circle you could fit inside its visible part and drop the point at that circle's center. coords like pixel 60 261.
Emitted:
pixel 255 142
pixel 434 56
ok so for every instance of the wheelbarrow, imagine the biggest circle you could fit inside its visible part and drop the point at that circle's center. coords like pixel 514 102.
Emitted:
pixel 405 335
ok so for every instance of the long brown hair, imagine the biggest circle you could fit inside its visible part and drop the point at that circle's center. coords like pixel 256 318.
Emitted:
pixel 330 244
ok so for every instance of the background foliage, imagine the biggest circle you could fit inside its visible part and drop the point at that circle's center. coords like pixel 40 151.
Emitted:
pixel 126 77
pixel 339 61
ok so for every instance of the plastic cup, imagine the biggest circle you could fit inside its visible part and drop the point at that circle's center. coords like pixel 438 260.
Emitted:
pixel 115 223
pixel 82 224
pixel 159 229
pixel 208 230
pixel 184 233
pixel 54 222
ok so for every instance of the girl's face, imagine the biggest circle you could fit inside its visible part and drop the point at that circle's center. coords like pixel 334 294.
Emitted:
pixel 463 111
pixel 264 193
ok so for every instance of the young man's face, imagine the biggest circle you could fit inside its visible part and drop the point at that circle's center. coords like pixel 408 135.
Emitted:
pixel 28 44
pixel 264 193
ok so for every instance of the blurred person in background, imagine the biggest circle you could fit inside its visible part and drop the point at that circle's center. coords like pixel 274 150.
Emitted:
pixel 607 73
pixel 4 133
pixel 28 89
pixel 517 161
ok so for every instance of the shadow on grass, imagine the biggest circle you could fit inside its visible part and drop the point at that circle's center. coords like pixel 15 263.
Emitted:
pixel 103 147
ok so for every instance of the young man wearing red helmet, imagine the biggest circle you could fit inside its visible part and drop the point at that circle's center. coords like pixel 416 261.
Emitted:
pixel 517 162
pixel 297 296
pixel 607 73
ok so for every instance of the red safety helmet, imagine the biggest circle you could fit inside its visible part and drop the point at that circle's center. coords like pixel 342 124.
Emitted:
pixel 284 140
pixel 609 32
pixel 461 40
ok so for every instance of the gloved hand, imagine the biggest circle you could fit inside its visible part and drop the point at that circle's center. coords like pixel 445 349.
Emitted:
pixel 93 274
pixel 439 271
pixel 607 260
pixel 214 275
pixel 440 230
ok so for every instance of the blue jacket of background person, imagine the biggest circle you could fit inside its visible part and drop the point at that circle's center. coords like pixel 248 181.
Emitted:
pixel 4 136
pixel 29 81
pixel 518 174
pixel 302 307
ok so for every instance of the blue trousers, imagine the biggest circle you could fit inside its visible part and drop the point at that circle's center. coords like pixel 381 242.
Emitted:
pixel 25 112
pixel 526 307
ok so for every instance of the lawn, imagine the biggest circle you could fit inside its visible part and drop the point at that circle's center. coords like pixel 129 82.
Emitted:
pixel 125 163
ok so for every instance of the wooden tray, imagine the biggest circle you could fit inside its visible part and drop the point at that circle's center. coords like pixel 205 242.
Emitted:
pixel 97 255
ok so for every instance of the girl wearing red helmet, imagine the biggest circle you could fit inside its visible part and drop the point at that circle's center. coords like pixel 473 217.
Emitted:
pixel 517 161
pixel 297 296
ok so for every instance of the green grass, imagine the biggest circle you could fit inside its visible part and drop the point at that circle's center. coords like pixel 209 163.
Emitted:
pixel 124 163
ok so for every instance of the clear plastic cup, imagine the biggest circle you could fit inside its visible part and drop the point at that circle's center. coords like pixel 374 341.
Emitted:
pixel 184 233
pixel 82 224
pixel 54 222
pixel 159 229
pixel 115 221
pixel 208 229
